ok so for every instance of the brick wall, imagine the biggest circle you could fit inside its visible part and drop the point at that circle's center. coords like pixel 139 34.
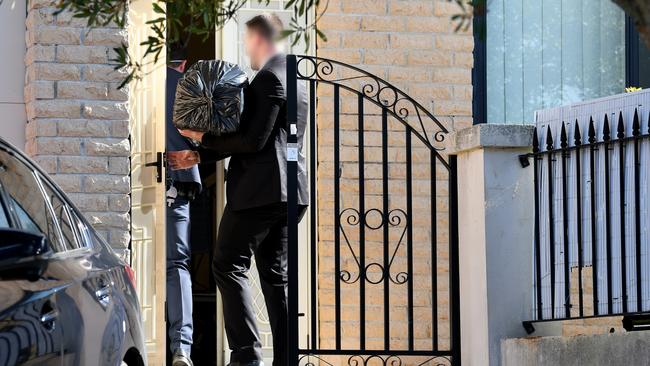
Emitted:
pixel 411 44
pixel 77 118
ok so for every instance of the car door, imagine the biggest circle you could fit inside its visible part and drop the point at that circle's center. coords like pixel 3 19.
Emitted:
pixel 96 335
pixel 30 323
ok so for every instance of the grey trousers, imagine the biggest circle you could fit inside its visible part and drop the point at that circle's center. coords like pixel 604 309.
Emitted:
pixel 179 281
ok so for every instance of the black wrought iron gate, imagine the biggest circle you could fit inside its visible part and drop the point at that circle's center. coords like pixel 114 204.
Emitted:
pixel 380 266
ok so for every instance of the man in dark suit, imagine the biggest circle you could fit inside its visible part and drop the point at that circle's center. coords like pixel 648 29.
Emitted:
pixel 182 187
pixel 255 218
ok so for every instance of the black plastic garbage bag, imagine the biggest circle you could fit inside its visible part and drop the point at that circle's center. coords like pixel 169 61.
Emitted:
pixel 210 97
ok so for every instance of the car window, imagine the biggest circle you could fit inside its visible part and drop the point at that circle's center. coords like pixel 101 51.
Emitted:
pixel 84 233
pixel 4 219
pixel 61 214
pixel 24 192
pixel 25 220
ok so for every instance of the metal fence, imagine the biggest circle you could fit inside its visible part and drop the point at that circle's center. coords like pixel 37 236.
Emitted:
pixel 592 203
pixel 382 270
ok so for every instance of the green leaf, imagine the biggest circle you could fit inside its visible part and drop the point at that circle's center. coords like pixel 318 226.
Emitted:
pixel 157 20
pixel 286 33
pixel 158 9
pixel 321 35
pixel 289 4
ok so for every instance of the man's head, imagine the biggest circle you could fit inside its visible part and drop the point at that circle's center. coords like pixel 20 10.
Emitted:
pixel 177 57
pixel 262 33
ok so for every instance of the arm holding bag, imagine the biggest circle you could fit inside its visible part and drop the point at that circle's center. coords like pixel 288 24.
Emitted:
pixel 209 98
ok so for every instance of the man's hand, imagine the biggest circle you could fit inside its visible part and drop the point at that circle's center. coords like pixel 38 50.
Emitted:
pixel 192 135
pixel 185 159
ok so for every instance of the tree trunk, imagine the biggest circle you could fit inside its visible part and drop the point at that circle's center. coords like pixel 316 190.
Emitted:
pixel 639 11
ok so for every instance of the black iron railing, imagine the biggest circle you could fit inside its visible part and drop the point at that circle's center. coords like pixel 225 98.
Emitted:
pixel 592 199
pixel 381 277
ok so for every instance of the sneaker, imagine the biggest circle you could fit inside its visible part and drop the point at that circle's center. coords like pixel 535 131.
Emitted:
pixel 181 358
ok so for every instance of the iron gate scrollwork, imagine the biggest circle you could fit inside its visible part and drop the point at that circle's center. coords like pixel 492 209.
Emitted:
pixel 382 268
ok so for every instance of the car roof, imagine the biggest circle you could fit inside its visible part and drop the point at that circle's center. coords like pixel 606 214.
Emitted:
pixel 13 150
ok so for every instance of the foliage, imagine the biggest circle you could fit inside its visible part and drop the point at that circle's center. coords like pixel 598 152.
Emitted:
pixel 177 21
pixel 639 11
pixel 469 10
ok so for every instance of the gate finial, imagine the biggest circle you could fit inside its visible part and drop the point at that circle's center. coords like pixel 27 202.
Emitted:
pixel 535 141
pixel 549 139
pixel 592 131
pixel 620 129
pixel 576 134
pixel 636 127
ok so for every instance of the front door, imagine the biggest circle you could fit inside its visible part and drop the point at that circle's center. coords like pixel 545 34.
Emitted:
pixel 147 103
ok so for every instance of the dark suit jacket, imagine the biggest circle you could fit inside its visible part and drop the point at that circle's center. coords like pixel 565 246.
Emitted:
pixel 173 140
pixel 257 174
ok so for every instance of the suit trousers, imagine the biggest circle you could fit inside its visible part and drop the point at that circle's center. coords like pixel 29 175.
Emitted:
pixel 259 231
pixel 179 280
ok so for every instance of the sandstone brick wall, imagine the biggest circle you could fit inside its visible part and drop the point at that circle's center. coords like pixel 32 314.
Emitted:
pixel 411 44
pixel 78 121
pixel 589 326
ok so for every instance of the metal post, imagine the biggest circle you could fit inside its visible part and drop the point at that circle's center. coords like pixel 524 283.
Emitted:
pixel 578 143
pixel 551 216
pixel 454 274
pixel 564 145
pixel 538 246
pixel 592 211
pixel 621 174
pixel 608 218
pixel 292 210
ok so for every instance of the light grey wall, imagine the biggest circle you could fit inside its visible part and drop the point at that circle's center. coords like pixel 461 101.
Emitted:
pixel 12 72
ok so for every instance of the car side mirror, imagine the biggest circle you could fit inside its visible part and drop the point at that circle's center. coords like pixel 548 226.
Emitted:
pixel 23 255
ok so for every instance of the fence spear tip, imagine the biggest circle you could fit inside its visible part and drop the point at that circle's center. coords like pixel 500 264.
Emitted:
pixel 576 134
pixel 592 131
pixel 549 138
pixel 563 137
pixel 620 129
pixel 535 141
pixel 606 132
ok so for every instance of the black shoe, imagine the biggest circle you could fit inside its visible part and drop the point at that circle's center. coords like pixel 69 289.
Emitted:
pixel 250 363
pixel 181 358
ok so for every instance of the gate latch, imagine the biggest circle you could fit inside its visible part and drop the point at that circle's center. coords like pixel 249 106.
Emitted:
pixel 160 159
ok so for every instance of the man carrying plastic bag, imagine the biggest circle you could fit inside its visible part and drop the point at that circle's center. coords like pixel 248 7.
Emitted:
pixel 255 218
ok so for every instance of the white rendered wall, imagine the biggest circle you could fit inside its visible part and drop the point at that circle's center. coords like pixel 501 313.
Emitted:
pixel 12 72
pixel 495 201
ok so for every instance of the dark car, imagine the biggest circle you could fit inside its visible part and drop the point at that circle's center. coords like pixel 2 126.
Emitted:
pixel 66 298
